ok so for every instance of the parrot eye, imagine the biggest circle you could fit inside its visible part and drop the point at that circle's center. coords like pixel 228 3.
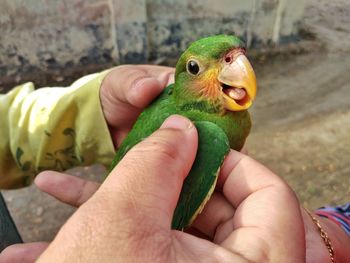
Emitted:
pixel 193 67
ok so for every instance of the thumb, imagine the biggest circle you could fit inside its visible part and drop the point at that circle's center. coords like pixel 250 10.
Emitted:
pixel 148 180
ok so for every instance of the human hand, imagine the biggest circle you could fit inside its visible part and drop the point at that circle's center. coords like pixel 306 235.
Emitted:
pixel 129 216
pixel 253 215
pixel 127 90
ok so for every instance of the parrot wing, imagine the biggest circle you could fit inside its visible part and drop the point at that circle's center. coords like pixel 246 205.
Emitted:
pixel 200 183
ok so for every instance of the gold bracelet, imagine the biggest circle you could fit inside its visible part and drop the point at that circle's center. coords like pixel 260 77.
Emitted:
pixel 324 236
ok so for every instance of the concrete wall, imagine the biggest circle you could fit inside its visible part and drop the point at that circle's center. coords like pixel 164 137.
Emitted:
pixel 44 35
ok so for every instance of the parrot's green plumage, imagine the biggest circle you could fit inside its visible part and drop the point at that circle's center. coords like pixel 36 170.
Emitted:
pixel 214 85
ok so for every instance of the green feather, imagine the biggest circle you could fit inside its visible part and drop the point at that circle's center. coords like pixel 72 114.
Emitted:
pixel 217 132
pixel 200 182
pixel 210 48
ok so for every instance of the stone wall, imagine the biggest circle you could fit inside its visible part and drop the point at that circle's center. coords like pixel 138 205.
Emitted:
pixel 49 35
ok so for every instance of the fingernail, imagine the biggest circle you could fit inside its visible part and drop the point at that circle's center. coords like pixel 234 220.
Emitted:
pixel 171 78
pixel 139 93
pixel 177 122
pixel 166 78
pixel 140 83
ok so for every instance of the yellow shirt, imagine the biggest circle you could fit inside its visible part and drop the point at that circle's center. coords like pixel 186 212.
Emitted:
pixel 52 129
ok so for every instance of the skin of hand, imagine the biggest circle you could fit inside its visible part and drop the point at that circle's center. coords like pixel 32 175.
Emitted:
pixel 128 217
pixel 124 93
pixel 127 90
pixel 228 227
pixel 246 192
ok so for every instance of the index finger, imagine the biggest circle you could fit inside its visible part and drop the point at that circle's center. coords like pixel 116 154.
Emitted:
pixel 67 188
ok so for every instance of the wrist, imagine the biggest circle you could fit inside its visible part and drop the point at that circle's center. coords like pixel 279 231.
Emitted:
pixel 316 247
pixel 340 240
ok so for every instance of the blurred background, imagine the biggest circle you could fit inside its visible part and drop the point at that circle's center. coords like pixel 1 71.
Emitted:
pixel 300 51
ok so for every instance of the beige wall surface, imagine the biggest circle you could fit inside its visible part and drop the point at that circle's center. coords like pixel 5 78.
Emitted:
pixel 48 34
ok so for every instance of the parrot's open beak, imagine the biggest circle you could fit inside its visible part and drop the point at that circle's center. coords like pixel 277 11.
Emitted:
pixel 238 83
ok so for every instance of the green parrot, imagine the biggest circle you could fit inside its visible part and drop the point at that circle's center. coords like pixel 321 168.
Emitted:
pixel 214 86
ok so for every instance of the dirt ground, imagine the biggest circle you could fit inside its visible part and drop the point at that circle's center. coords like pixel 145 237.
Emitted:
pixel 301 122
pixel 302 114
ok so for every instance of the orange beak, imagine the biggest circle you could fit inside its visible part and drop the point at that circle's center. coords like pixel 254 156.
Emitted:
pixel 238 83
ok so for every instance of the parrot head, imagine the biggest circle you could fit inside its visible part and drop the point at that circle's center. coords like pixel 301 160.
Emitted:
pixel 216 70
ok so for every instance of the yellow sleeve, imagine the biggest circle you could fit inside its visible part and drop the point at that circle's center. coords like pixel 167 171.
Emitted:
pixel 52 128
